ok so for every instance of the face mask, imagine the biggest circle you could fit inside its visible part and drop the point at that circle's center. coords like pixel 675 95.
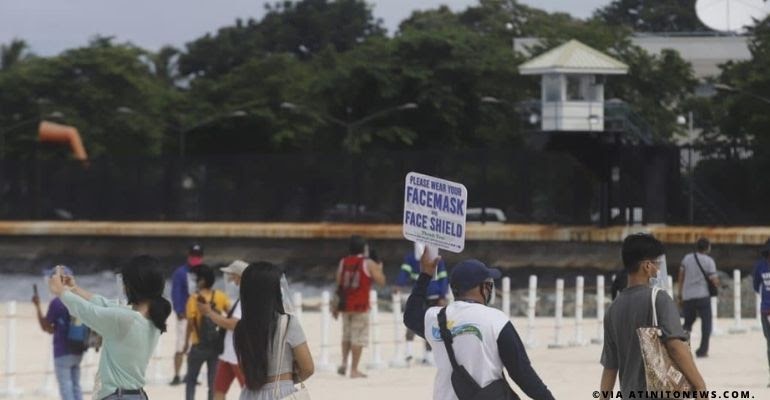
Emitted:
pixel 194 261
pixel 490 298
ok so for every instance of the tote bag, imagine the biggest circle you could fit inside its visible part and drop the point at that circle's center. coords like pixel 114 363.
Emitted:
pixel 660 371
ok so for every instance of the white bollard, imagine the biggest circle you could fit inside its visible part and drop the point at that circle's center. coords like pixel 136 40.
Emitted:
pixel 506 298
pixel 10 389
pixel 670 286
pixel 399 331
pixel 599 339
pixel 531 311
pixel 46 388
pixel 579 289
pixel 374 333
pixel 737 322
pixel 296 299
pixel 557 340
pixel 323 363
pixel 758 311
pixel 715 331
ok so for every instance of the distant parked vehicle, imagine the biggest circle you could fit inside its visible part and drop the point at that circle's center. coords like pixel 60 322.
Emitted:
pixel 493 215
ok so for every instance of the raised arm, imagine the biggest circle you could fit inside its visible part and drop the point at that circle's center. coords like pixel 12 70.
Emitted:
pixel 106 321
pixel 375 269
pixel 43 321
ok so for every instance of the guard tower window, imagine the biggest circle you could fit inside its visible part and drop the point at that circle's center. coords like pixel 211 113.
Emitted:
pixel 552 88
pixel 583 88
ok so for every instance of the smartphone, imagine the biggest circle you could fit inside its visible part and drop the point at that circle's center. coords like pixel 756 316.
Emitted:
pixel 34 289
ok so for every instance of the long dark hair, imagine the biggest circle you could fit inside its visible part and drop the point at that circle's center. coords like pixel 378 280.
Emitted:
pixel 144 281
pixel 261 303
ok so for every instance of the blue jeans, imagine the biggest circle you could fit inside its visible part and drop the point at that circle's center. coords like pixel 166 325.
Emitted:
pixel 701 308
pixel 67 369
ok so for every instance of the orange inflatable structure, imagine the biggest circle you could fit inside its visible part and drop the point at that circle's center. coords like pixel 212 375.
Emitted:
pixel 57 133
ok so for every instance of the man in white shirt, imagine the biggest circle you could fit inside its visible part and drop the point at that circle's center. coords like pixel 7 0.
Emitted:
pixel 483 339
pixel 698 270
pixel 227 368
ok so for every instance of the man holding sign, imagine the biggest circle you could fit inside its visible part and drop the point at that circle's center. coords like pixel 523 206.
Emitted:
pixel 472 342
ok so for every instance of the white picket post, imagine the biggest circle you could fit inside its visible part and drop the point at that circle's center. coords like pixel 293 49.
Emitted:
pixel 399 330
pixel 506 308
pixel 715 331
pixel 579 290
pixel 737 321
pixel 296 299
pixel 374 333
pixel 531 311
pixel 599 339
pixel 46 388
pixel 557 342
pixel 10 390
pixel 323 363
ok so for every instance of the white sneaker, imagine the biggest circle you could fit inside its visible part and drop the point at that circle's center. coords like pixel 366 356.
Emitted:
pixel 428 359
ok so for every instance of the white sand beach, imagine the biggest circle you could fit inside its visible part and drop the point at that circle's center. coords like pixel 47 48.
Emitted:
pixel 736 362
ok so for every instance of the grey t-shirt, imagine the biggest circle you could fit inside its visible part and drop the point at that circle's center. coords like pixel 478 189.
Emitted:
pixel 294 336
pixel 632 309
pixel 695 285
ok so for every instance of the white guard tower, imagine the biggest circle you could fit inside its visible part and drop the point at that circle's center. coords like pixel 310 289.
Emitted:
pixel 573 86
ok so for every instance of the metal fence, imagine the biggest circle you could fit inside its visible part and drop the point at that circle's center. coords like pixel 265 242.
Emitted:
pixel 526 186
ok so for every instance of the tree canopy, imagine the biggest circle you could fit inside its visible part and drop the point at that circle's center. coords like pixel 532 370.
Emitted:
pixel 319 75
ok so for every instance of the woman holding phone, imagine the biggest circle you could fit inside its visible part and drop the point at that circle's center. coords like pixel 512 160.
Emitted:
pixel 130 333
pixel 270 344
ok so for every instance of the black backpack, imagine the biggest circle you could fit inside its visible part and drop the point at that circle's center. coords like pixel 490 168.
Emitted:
pixel 208 332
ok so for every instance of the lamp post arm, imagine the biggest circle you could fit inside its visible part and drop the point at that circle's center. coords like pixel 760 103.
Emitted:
pixel 376 115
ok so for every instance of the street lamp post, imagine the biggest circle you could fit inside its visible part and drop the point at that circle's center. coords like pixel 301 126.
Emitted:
pixel 691 140
pixel 184 131
pixel 352 141
pixel 727 88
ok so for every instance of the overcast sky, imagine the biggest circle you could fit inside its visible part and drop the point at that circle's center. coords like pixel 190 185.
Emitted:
pixel 50 26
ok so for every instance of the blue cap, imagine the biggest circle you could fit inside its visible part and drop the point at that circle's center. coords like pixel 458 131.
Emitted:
pixel 468 274
pixel 50 271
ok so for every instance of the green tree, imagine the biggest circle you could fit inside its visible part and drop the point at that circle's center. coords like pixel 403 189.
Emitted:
pixel 13 53
pixel 652 15
pixel 105 90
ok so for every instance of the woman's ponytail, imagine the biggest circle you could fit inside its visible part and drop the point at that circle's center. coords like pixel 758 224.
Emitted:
pixel 160 309
pixel 144 282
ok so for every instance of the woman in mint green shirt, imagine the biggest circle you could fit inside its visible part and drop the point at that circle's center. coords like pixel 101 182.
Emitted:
pixel 130 333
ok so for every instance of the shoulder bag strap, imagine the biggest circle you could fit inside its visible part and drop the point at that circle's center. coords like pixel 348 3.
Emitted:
pixel 284 331
pixel 701 268
pixel 446 336
pixel 232 310
pixel 655 291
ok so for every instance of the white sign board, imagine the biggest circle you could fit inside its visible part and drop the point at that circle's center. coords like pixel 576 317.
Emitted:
pixel 434 212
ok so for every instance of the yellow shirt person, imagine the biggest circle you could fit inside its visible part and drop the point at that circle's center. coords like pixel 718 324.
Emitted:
pixel 220 302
